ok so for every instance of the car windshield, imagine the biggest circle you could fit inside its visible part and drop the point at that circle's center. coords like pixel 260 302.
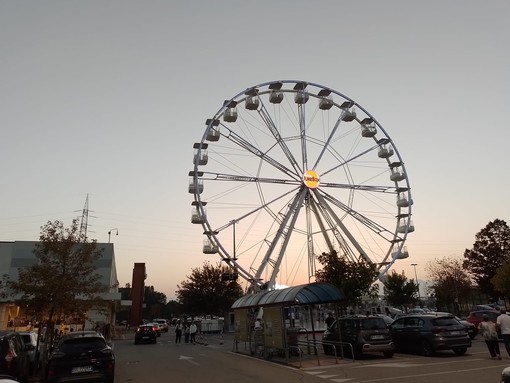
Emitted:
pixel 82 344
pixel 373 324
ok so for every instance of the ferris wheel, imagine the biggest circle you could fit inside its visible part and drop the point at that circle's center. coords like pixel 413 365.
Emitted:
pixel 288 170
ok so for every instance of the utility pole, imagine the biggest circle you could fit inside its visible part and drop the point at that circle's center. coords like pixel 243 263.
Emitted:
pixel 417 283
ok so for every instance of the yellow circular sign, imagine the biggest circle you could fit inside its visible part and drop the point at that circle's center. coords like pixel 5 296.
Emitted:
pixel 311 179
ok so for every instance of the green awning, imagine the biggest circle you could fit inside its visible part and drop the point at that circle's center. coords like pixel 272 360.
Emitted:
pixel 313 293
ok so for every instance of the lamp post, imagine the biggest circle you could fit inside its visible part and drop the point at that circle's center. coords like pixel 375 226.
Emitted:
pixel 417 284
pixel 110 233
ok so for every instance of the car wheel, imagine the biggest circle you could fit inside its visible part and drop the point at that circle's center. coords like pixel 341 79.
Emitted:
pixel 460 350
pixel 472 336
pixel 426 348
pixel 388 354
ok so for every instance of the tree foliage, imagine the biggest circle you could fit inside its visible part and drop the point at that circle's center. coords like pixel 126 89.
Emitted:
pixel 490 251
pixel 64 279
pixel 354 279
pixel 450 282
pixel 206 293
pixel 154 301
pixel 399 291
pixel 501 281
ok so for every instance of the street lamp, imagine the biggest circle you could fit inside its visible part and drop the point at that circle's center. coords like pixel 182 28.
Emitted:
pixel 110 233
pixel 417 283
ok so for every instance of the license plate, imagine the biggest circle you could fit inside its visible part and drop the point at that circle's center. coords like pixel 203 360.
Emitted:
pixel 77 370
pixel 145 337
pixel 378 337
pixel 455 332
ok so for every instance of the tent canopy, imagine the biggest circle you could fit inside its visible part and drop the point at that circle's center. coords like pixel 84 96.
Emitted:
pixel 308 294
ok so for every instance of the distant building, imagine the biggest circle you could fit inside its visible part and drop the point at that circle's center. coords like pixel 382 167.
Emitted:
pixel 14 255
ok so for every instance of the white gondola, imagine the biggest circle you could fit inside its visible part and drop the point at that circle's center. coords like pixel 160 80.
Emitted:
pixel 403 201
pixel 230 115
pixel 252 103
pixel 403 254
pixel 403 227
pixel 326 103
pixel 197 187
pixel 209 247
pixel 275 97
pixel 368 128
pixel 201 156
pixel 348 114
pixel 385 151
pixel 397 175
pixel 301 97
pixel 196 217
pixel 213 134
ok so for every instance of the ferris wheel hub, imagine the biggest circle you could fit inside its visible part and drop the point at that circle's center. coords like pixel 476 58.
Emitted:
pixel 311 179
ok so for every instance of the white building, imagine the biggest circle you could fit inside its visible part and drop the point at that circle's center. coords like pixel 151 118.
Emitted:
pixel 17 254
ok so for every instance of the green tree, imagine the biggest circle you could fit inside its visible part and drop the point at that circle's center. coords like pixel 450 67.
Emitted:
pixel 490 251
pixel 154 303
pixel 205 291
pixel 64 280
pixel 501 280
pixel 450 282
pixel 354 279
pixel 399 291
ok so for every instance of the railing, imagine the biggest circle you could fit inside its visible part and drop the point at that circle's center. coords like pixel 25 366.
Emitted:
pixel 341 344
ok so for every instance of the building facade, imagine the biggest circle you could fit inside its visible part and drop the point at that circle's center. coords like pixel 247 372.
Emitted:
pixel 18 254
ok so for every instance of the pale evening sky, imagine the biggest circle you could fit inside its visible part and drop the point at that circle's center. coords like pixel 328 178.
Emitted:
pixel 108 97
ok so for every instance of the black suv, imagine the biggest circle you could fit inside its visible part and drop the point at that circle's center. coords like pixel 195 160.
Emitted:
pixel 428 333
pixel 81 356
pixel 14 359
pixel 361 334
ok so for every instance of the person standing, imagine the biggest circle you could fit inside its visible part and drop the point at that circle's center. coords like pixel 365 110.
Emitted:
pixel 192 332
pixel 490 334
pixel 178 332
pixel 186 333
pixel 503 324
pixel 329 320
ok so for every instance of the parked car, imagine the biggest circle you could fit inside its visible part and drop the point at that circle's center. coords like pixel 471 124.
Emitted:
pixel 365 334
pixel 81 356
pixel 471 329
pixel 145 334
pixel 428 333
pixel 476 317
pixel 387 319
pixel 14 360
pixel 30 340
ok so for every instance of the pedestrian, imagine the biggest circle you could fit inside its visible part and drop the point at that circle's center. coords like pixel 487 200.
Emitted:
pixel 330 320
pixel 178 332
pixel 490 334
pixel 503 323
pixel 186 333
pixel 192 332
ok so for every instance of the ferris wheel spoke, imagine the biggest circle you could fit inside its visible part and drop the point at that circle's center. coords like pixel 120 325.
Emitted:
pixel 351 159
pixel 340 224
pixel 365 221
pixel 244 144
pixel 302 133
pixel 266 117
pixel 247 179
pixel 365 188
pixel 327 144
pixel 264 206
pixel 283 233
pixel 327 225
